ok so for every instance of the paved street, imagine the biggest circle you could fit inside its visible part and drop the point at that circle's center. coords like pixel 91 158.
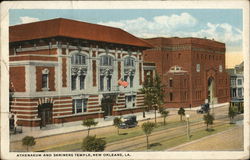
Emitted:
pixel 48 142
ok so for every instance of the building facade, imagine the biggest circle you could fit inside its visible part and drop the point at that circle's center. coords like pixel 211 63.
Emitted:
pixel 64 70
pixel 192 70
pixel 237 81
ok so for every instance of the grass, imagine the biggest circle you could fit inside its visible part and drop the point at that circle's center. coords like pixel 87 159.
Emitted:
pixel 166 144
pixel 137 131
pixel 124 134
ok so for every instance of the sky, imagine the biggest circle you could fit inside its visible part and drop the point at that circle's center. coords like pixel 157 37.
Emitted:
pixel 224 25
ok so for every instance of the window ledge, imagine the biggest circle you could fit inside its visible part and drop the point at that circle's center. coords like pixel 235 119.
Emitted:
pixel 45 89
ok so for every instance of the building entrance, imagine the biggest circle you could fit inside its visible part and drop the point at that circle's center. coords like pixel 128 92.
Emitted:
pixel 45 113
pixel 210 94
pixel 107 104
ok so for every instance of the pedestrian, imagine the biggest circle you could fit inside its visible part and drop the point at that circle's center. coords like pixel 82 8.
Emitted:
pixel 190 106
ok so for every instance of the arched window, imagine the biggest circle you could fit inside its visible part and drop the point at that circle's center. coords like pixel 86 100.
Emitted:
pixel 106 60
pixel 129 62
pixel 78 59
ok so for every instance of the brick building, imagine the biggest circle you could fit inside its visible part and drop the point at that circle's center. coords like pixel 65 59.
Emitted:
pixel 192 69
pixel 64 70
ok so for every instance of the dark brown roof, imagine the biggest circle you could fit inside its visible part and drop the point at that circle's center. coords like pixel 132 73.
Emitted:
pixel 73 29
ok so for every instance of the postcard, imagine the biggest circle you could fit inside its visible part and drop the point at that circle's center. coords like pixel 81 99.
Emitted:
pixel 125 80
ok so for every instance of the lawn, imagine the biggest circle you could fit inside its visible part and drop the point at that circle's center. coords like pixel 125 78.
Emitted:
pixel 124 134
pixel 181 139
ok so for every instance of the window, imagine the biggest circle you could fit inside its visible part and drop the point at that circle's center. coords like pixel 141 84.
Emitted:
pixel 82 82
pixel 171 82
pixel 106 60
pixel 129 62
pixel 240 92
pixel 130 101
pixel 198 67
pixel 101 82
pixel 126 78
pixel 79 105
pixel 45 79
pixel 239 81
pixel 220 68
pixel 171 96
pixel 78 59
pixel 131 81
pixel 109 78
pixel 73 82
pixel 179 56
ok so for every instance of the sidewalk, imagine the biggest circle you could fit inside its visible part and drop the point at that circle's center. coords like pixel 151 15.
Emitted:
pixel 76 126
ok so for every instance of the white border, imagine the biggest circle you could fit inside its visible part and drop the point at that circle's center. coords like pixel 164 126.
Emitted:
pixel 5 6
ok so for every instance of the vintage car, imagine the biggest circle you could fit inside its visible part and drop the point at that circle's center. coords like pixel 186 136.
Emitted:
pixel 204 108
pixel 129 122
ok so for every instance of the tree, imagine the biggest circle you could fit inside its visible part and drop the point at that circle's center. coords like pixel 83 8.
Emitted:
pixel 164 114
pixel 147 128
pixel 208 119
pixel 88 123
pixel 232 112
pixel 181 112
pixel 117 122
pixel 93 144
pixel 153 91
pixel 28 141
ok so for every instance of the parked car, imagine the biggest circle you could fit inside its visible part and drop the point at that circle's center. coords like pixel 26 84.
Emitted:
pixel 129 122
pixel 204 108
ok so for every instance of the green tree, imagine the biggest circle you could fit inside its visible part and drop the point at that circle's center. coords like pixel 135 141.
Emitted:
pixel 208 119
pixel 117 122
pixel 93 144
pixel 181 112
pixel 88 123
pixel 147 128
pixel 28 141
pixel 164 114
pixel 232 112
pixel 153 91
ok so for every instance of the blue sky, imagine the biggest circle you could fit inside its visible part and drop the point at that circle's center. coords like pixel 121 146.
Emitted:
pixel 223 25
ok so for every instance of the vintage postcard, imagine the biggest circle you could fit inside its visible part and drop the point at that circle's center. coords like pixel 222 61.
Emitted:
pixel 125 80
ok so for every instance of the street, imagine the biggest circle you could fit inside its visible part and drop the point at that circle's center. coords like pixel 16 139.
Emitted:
pixel 159 138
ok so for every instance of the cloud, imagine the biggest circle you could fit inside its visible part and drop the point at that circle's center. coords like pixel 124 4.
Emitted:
pixel 27 19
pixel 158 26
pixel 182 25
pixel 222 32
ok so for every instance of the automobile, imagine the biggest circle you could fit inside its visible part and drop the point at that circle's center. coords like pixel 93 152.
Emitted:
pixel 204 108
pixel 129 122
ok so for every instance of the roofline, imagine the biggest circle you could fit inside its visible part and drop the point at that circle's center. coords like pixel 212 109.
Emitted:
pixel 184 38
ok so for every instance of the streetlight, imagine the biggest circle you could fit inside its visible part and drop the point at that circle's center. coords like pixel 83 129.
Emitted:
pixel 188 127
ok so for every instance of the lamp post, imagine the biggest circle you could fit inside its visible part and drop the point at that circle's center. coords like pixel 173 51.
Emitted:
pixel 188 127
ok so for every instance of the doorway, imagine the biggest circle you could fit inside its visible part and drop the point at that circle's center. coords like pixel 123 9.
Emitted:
pixel 211 93
pixel 45 113
pixel 107 104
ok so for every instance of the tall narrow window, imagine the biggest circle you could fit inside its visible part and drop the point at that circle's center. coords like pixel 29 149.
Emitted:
pixel 109 78
pixel 45 78
pixel 198 67
pixel 101 82
pixel 171 82
pixel 73 82
pixel 171 96
pixel 82 82
pixel 131 81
